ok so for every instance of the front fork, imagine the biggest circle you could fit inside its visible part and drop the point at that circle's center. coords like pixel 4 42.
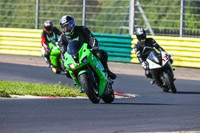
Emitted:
pixel 75 79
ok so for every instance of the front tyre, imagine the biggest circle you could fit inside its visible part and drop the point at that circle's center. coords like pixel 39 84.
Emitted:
pixel 87 86
pixel 169 83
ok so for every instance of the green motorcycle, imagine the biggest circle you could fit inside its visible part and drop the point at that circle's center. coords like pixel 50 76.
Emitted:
pixel 55 58
pixel 88 72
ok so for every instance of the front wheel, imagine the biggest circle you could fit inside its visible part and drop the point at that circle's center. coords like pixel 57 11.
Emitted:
pixel 91 92
pixel 169 83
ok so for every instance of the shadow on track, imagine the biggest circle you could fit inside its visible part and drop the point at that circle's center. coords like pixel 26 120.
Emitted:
pixel 139 104
pixel 188 92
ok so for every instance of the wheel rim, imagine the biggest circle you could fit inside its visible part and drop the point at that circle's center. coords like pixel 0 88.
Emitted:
pixel 95 89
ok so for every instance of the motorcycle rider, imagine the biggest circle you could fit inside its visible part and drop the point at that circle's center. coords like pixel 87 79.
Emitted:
pixel 49 34
pixel 139 46
pixel 72 32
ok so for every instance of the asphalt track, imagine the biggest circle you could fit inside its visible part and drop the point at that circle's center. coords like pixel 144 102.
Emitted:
pixel 150 111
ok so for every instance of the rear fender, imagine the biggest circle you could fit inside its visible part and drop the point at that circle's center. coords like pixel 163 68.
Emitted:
pixel 82 71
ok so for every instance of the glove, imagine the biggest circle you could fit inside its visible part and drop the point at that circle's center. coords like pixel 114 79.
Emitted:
pixel 95 49
pixel 170 59
pixel 144 64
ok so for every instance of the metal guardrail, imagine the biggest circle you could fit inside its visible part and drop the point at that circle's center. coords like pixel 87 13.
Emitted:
pixel 184 51
pixel 117 46
pixel 20 41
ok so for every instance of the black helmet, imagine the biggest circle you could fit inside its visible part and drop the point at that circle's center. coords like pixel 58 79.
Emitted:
pixel 67 24
pixel 141 34
pixel 48 25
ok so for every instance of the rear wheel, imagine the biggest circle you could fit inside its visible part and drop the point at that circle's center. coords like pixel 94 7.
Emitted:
pixel 109 97
pixel 169 83
pixel 92 93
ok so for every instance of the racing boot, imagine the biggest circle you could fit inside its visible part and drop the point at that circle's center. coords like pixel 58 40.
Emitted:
pixel 49 62
pixel 111 74
pixel 152 81
pixel 148 75
pixel 103 56
pixel 46 57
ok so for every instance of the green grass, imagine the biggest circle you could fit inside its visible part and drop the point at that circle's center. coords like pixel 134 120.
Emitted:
pixel 8 88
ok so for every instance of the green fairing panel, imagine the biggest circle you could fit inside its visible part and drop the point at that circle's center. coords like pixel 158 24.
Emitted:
pixel 99 69
pixel 54 55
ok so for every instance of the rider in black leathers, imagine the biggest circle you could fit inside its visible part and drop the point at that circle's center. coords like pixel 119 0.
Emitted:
pixel 145 42
pixel 72 32
pixel 49 34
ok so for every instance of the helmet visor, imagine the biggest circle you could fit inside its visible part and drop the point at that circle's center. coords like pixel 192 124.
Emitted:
pixel 49 29
pixel 141 37
pixel 67 27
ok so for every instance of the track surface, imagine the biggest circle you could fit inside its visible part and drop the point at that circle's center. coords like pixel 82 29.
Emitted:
pixel 151 111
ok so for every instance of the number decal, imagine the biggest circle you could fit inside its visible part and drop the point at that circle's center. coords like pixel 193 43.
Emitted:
pixel 165 59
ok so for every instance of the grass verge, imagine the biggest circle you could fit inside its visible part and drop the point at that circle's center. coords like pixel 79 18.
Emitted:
pixel 8 88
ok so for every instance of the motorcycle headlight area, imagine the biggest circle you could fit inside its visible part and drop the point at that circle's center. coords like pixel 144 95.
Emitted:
pixel 84 59
pixel 71 65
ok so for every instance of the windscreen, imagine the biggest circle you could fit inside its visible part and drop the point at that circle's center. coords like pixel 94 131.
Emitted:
pixel 73 47
pixel 155 57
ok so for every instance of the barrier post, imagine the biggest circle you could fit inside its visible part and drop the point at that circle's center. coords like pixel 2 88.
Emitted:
pixel 37 14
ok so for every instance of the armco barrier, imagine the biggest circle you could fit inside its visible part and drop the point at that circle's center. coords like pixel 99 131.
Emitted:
pixel 27 42
pixel 184 51
pixel 20 41
pixel 117 46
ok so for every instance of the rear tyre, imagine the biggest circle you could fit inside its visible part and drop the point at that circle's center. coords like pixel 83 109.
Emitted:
pixel 91 92
pixel 169 82
pixel 109 98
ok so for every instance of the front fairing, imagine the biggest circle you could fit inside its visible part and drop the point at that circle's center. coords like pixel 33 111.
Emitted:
pixel 55 55
pixel 55 51
pixel 84 56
